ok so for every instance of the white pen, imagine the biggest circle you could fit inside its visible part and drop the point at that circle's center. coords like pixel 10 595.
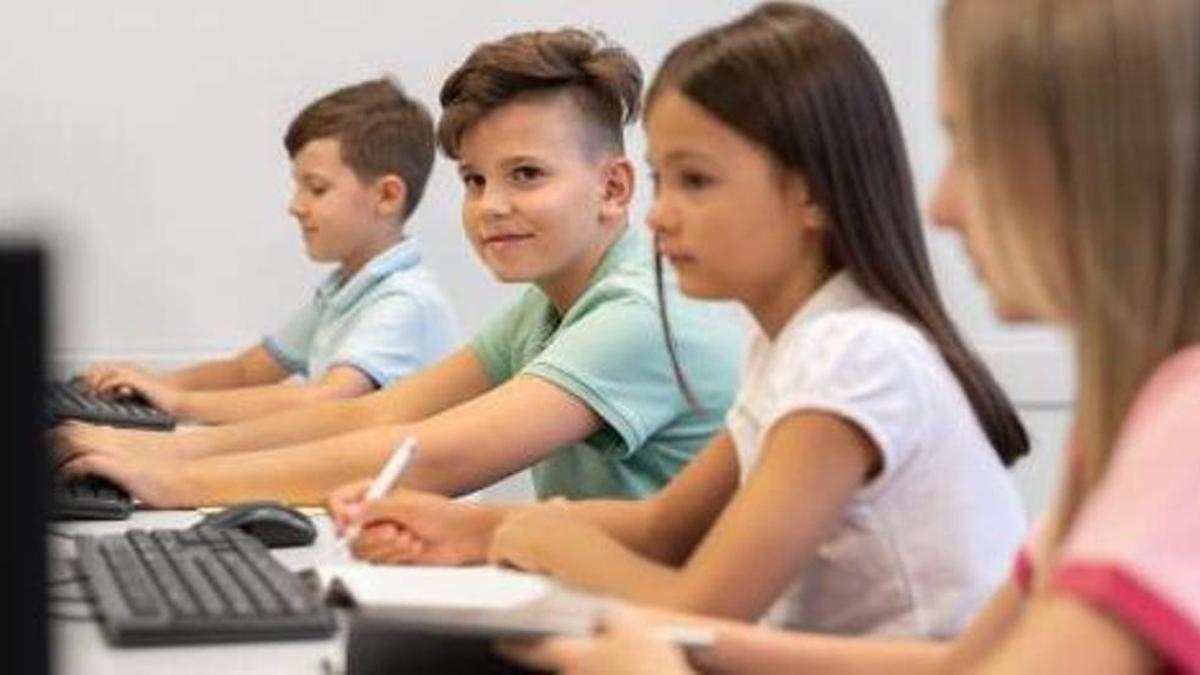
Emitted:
pixel 382 484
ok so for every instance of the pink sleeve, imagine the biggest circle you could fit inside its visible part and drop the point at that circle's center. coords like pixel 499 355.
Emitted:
pixel 1022 572
pixel 1035 543
pixel 1134 552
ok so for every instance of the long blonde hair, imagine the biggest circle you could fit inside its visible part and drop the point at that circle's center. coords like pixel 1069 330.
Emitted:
pixel 1082 119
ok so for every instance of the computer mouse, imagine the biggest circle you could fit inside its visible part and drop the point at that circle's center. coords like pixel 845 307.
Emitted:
pixel 272 523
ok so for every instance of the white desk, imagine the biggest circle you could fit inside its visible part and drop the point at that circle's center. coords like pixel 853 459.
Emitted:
pixel 80 647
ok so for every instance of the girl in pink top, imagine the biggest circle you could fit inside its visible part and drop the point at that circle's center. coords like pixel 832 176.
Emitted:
pixel 1074 180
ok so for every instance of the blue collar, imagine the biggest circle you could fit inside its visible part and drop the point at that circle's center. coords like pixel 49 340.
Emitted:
pixel 340 294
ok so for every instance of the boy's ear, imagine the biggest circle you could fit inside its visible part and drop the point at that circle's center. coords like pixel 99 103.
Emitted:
pixel 618 189
pixel 393 194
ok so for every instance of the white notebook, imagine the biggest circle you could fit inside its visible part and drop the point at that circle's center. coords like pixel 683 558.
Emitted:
pixel 478 587
pixel 477 601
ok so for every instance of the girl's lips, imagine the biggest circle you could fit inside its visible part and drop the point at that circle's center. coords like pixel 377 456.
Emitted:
pixel 675 257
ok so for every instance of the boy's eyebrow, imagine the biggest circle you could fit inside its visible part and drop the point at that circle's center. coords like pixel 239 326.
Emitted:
pixel 307 175
pixel 519 159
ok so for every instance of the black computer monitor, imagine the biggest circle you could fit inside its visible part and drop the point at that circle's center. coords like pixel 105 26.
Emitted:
pixel 25 478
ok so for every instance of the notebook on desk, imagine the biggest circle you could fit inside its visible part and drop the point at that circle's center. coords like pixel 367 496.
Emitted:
pixel 423 619
pixel 481 600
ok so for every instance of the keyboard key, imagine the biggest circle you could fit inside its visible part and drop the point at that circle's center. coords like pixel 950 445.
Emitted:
pixel 202 585
pixel 66 400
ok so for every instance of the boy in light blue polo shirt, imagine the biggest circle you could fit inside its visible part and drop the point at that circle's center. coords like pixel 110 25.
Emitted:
pixel 360 159
pixel 389 320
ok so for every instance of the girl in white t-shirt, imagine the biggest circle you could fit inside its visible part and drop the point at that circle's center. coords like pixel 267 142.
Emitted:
pixel 861 478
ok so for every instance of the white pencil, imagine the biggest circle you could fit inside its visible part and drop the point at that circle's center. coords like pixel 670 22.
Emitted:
pixel 382 484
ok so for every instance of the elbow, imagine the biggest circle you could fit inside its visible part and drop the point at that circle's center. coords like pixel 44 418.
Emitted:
pixel 659 540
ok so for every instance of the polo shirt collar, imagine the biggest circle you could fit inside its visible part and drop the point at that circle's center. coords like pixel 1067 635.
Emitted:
pixel 404 254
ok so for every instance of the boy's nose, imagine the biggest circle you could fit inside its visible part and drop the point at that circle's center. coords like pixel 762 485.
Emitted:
pixel 494 205
pixel 296 208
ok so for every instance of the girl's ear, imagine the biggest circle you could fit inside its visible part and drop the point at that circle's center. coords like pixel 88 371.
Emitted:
pixel 393 194
pixel 617 189
pixel 810 213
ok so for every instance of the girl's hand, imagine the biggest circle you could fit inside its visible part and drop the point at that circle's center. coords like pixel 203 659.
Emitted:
pixel 540 539
pixel 345 504
pixel 626 644
pixel 420 528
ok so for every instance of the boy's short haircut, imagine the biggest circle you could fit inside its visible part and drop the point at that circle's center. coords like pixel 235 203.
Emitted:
pixel 381 130
pixel 603 80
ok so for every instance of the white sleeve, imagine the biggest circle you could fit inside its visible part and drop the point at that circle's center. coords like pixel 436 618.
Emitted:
pixel 863 370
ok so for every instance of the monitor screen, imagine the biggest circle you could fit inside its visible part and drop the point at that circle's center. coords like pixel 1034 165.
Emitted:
pixel 26 474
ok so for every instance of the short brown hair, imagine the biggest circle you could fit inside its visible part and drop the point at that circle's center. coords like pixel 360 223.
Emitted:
pixel 603 80
pixel 382 132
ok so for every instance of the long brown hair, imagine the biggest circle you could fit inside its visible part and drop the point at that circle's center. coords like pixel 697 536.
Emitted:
pixel 1090 110
pixel 799 83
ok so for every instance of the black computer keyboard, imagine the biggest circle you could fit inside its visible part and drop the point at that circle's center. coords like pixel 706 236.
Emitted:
pixel 199 585
pixel 67 400
pixel 89 498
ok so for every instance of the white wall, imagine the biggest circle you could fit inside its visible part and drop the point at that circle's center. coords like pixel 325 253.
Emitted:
pixel 149 132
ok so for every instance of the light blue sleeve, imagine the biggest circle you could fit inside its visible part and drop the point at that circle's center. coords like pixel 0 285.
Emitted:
pixel 389 338
pixel 290 345
pixel 615 360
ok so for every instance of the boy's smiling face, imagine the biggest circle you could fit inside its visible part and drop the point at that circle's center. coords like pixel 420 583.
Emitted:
pixel 342 218
pixel 535 206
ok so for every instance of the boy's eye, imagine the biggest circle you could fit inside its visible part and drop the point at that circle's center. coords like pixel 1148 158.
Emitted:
pixel 525 174
pixel 472 180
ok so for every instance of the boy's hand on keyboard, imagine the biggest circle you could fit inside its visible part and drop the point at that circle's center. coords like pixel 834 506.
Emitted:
pixel 73 438
pixel 157 481
pixel 100 378
pixel 421 528
pixel 122 382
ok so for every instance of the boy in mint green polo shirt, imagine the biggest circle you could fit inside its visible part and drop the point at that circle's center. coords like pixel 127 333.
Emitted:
pixel 609 351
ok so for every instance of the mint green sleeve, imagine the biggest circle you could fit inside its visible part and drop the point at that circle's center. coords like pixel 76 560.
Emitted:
pixel 615 360
pixel 496 343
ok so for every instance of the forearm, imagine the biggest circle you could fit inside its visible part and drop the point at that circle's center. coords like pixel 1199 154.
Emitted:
pixel 633 524
pixel 243 403
pixel 210 375
pixel 298 474
pixel 605 566
pixel 745 648
pixel 299 425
